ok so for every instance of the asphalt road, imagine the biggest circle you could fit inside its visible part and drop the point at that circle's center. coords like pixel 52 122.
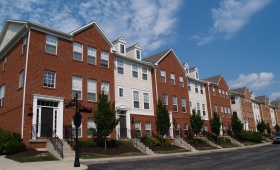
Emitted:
pixel 263 157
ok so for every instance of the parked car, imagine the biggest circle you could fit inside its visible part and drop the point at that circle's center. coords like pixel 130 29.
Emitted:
pixel 276 138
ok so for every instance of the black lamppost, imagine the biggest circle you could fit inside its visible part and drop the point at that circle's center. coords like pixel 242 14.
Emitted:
pixel 77 123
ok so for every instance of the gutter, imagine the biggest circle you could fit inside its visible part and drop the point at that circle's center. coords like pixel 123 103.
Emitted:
pixel 24 86
pixel 209 100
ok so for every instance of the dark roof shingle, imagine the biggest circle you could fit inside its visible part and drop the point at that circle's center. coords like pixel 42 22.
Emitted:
pixel 155 58
pixel 214 79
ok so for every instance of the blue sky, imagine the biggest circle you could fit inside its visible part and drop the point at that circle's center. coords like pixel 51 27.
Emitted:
pixel 237 38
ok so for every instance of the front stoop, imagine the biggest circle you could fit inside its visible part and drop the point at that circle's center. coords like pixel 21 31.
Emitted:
pixel 67 150
pixel 140 146
pixel 234 141
pixel 183 144
pixel 210 142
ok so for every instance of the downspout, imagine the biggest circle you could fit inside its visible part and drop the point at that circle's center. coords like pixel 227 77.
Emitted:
pixel 24 86
pixel 155 67
pixel 209 100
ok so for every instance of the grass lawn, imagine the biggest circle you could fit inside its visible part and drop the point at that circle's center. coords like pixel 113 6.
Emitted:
pixel 205 148
pixel 46 157
pixel 250 143
pixel 172 151
pixel 94 155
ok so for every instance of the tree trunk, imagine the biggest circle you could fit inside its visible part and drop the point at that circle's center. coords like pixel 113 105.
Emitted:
pixel 161 140
pixel 196 140
pixel 105 143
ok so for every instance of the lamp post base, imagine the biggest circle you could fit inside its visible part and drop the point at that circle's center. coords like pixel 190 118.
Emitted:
pixel 77 162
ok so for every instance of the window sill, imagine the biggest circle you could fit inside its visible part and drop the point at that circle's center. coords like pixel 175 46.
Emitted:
pixel 90 64
pixel 104 67
pixel 51 88
pixel 50 54
pixel 90 101
pixel 78 60
pixel 19 88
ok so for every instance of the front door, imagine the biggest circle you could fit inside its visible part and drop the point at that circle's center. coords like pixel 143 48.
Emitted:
pixel 123 129
pixel 46 122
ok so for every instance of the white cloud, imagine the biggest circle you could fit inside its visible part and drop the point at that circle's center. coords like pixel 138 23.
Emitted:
pixel 148 22
pixel 231 16
pixel 274 96
pixel 253 81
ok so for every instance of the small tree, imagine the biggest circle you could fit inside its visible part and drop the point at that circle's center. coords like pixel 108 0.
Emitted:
pixel 277 128
pixel 196 123
pixel 268 130
pixel 261 126
pixel 104 116
pixel 236 124
pixel 216 125
pixel 163 120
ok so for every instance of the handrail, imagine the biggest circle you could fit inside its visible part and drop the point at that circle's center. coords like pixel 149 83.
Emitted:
pixel 46 131
pixel 68 135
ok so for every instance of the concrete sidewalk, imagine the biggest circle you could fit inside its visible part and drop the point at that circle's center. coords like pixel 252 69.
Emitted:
pixel 68 163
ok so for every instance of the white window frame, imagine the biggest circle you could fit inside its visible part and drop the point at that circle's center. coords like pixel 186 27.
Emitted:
pixel 23 45
pixel 136 98
pixel 21 78
pixel 175 103
pixel 216 108
pixel 229 112
pixel 104 59
pixel 184 108
pixel 203 109
pixel 172 78
pixel 146 100
pixel 106 87
pixel 91 124
pixel 163 76
pixel 144 73
pixel 220 92
pixel 198 108
pixel 186 129
pixel 201 89
pixel 226 94
pixel 91 89
pixel 49 79
pixel 181 79
pixel 2 94
pixel 225 110
pixel 79 129
pixel 231 100
pixel 196 87
pixel 51 41
pixel 119 93
pixel 91 55
pixel 148 127
pixel 214 90
pixel 196 75
pixel 165 99
pixel 223 92
pixel 120 66
pixel 138 56
pixel 78 49
pixel 5 62
pixel 77 86
pixel 190 102
pixel 189 85
pixel 134 70
pixel 138 128
pixel 122 49
pixel 222 111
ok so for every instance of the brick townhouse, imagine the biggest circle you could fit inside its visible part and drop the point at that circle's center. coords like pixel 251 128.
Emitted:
pixel 242 104
pixel 41 71
pixel 170 86
pixel 276 105
pixel 219 101
pixel 197 96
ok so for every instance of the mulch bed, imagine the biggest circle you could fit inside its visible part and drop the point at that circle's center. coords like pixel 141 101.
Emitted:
pixel 166 148
pixel 108 151
pixel 28 152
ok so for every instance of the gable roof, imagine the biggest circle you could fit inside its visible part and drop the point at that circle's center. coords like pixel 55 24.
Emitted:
pixel 215 79
pixel 193 69
pixel 137 46
pixel 275 103
pixel 121 39
pixel 157 58
pixel 261 98
pixel 241 90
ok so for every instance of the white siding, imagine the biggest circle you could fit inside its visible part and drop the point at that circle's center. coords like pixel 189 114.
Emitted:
pixel 129 84
pixel 237 107
pixel 272 114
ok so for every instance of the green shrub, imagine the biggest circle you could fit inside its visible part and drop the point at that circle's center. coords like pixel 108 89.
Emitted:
pixel 150 141
pixel 14 147
pixel 10 142
pixel 167 142
pixel 227 140
pixel 125 144
pixel 250 136
pixel 87 143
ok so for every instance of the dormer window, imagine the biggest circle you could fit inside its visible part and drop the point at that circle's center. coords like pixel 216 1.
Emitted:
pixel 187 70
pixel 122 48
pixel 196 75
pixel 138 55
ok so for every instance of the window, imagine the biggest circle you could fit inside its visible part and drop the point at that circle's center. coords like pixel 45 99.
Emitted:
pixel 138 54
pixel 49 79
pixel 2 95
pixel 186 129
pixel 203 109
pixel 196 74
pixel 105 87
pixel 74 129
pixel 175 106
pixel 91 90
pixel 165 99
pixel 214 91
pixel 223 93
pixel 226 94
pixel 90 125
pixel 24 45
pixel 184 105
pixel 134 71
pixel 51 44
pixel 163 76
pixel 196 88
pixel 136 99
pixel 146 100
pixel 198 108
pixel 189 86
pixel 104 59
pixel 122 48
pixel 225 110
pixel 91 55
pixel 181 81
pixel 172 77
pixel 148 128
pixel 4 63
pixel 232 99
pixel 222 111
pixel 190 106
pixel 21 78
pixel 77 87
pixel 120 66
pixel 78 51
pixel 177 129
pixel 201 89
pixel 120 91
pixel 138 129
pixel 216 108
pixel 144 73
pixel 220 92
